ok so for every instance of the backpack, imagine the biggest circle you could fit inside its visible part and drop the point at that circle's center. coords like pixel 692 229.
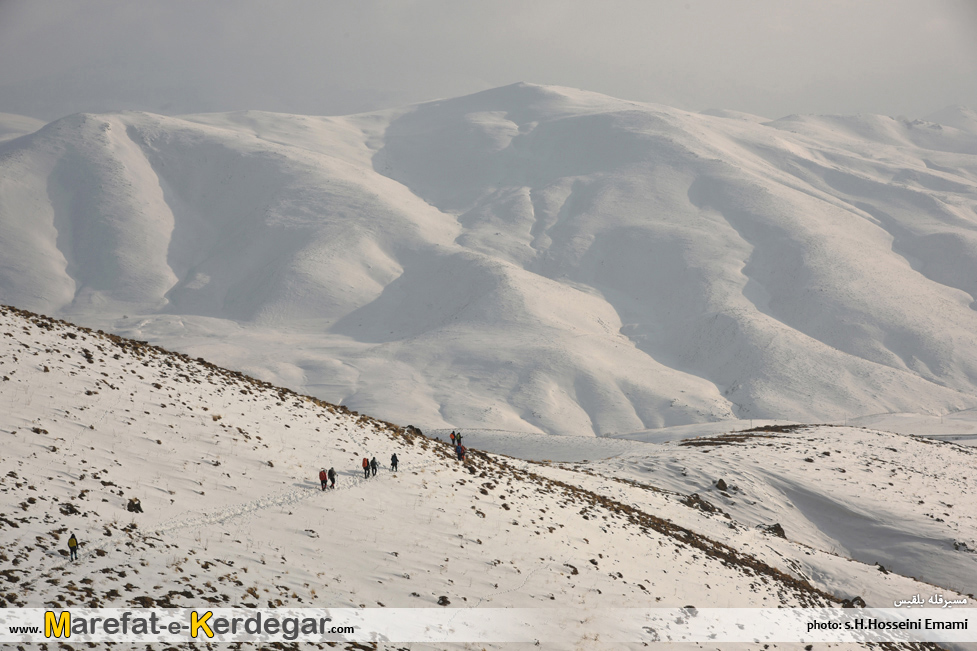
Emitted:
pixel 366 462
pixel 322 475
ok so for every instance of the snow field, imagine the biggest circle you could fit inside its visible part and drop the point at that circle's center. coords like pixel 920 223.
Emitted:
pixel 226 470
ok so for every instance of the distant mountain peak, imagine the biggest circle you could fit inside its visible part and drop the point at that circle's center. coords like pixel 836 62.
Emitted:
pixel 958 117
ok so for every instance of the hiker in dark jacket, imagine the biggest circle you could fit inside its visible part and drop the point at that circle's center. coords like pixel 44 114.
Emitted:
pixel 366 468
pixel 393 462
pixel 374 465
pixel 332 478
pixel 73 547
pixel 458 452
pixel 323 477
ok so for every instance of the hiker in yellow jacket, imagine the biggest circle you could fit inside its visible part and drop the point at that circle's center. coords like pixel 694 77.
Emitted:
pixel 73 547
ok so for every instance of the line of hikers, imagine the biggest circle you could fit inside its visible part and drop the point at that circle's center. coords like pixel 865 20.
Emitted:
pixel 459 448
pixel 326 478
pixel 370 466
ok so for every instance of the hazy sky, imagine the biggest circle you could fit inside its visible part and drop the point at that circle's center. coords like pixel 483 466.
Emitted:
pixel 769 57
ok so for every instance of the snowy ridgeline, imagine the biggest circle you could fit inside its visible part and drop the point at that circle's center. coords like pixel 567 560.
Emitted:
pixel 529 258
pixel 225 468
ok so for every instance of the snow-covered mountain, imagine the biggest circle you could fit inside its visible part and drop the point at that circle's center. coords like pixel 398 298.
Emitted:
pixel 225 470
pixel 528 258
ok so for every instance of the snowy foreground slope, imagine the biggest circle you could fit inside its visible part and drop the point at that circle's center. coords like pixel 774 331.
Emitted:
pixel 528 258
pixel 225 468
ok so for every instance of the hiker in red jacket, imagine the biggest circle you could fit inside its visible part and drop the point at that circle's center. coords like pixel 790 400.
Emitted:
pixel 323 478
pixel 366 468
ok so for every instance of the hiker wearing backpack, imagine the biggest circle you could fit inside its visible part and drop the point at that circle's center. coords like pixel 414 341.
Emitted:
pixel 323 477
pixel 73 547
pixel 366 468
pixel 332 478
pixel 374 465
pixel 393 462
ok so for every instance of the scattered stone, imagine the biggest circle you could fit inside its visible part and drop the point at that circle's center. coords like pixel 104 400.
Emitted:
pixel 775 529
pixel 696 502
